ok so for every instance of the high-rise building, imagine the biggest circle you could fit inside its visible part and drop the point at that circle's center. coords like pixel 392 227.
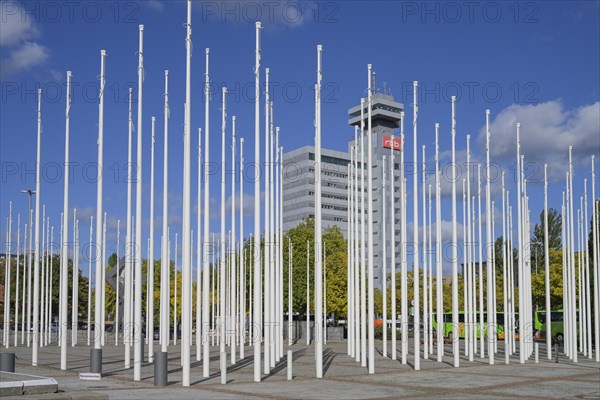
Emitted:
pixel 299 187
pixel 299 182
pixel 385 120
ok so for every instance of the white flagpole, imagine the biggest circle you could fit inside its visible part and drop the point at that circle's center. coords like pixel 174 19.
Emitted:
pixel 242 254
pixel 267 237
pixel 257 309
pixel 199 253
pixel 75 286
pixel 18 276
pixel 357 313
pixel 480 248
pixel 363 253
pixel 65 217
pixel 438 251
pixel 89 312
pixel 455 343
pixel 425 266
pixel 290 312
pixel 150 266
pixel 36 263
pixel 118 280
pixel 595 248
pixel 430 248
pixel 393 242
pixel 520 250
pixel 232 249
pixel 464 268
pixel 403 272
pixel 470 283
pixel 137 352
pixel 547 266
pixel 416 267
pixel 127 317
pixel 223 243
pixel 350 269
pixel 186 234
pixel 489 242
pixel 371 305
pixel 103 291
pixel 6 330
pixel 175 281
pixel 48 327
pixel 51 280
pixel 307 293
pixel 384 259
pixel 504 283
pixel 205 253
pixel 588 313
pixel 574 319
pixel 25 271
pixel 42 276
pixel 318 233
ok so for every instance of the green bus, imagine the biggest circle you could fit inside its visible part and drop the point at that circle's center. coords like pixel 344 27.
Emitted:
pixel 556 322
pixel 448 328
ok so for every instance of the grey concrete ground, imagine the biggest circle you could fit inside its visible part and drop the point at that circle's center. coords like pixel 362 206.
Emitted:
pixel 344 378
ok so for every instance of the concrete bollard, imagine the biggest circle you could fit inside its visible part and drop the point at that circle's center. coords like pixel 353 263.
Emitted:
pixel 223 368
pixel 96 361
pixel 161 370
pixel 289 365
pixel 537 353
pixel 7 362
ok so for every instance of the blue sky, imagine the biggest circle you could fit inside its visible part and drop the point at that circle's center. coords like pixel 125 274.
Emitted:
pixel 533 62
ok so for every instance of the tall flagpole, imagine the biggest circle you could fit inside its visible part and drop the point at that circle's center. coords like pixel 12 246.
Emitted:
pixel 363 254
pixel 438 250
pixel 547 266
pixel 505 285
pixel 89 304
pixel 403 266
pixel 469 265
pixel 416 267
pixel 393 241
pixel 199 253
pixel 489 242
pixel 233 242
pixel 118 280
pixel 150 262
pixel 596 266
pixel 137 352
pixel 127 317
pixel 257 308
pixel 65 244
pixel 36 262
pixel 384 256
pixel 318 232
pixel 520 239
pixel 75 285
pixel 425 266
pixel 96 365
pixel 455 342
pixel 223 242
pixel 18 276
pixel 242 255
pixel 371 305
pixel 206 246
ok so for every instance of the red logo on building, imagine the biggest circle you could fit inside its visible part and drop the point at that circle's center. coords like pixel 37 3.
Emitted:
pixel 388 145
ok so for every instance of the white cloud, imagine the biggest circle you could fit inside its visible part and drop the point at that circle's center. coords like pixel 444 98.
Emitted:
pixel 547 131
pixel 17 29
pixel 27 56
pixel 156 5
pixel 15 25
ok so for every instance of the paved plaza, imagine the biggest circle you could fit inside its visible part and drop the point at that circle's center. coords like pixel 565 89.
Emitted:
pixel 344 378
